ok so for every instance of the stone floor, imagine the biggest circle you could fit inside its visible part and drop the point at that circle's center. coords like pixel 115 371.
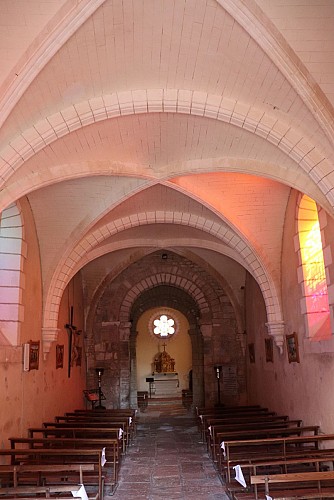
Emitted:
pixel 167 461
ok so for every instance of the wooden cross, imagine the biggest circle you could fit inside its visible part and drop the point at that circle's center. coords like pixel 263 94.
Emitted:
pixel 71 328
pixel 164 346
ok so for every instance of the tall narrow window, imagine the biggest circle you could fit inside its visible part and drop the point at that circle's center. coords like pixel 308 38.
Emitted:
pixel 315 302
pixel 11 275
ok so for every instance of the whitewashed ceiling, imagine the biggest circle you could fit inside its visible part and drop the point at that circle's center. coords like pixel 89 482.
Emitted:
pixel 110 109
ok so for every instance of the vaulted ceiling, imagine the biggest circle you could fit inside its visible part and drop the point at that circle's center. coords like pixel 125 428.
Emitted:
pixel 173 124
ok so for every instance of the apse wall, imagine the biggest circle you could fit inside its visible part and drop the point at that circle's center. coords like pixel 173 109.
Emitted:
pixel 299 389
pixel 178 347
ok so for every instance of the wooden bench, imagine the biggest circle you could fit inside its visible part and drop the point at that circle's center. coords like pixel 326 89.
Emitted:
pixel 214 431
pixel 58 456
pixel 131 414
pixel 33 492
pixel 111 445
pixel 205 420
pixel 25 477
pixel 261 466
pixel 82 429
pixel 202 409
pixel 261 433
pixel 299 485
pixel 275 448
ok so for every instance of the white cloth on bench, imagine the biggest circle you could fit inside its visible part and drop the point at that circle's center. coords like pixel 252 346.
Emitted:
pixel 239 476
pixel 81 493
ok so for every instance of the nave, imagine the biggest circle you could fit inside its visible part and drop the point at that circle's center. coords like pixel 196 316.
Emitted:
pixel 168 460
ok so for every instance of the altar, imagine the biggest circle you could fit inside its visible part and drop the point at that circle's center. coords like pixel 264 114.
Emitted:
pixel 165 380
pixel 166 384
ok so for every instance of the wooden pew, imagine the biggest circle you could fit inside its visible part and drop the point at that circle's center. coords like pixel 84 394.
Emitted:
pixel 251 451
pixel 111 445
pixel 23 478
pixel 203 420
pixel 202 409
pixel 263 433
pixel 298 485
pixel 35 492
pixel 57 456
pixel 130 414
pixel 279 466
pixel 82 429
pixel 214 431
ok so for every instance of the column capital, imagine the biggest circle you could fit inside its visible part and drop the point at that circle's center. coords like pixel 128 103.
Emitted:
pixel 276 330
pixel 49 335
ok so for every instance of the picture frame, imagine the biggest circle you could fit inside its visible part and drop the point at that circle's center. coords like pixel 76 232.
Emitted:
pixel 269 350
pixel 251 352
pixel 59 356
pixel 292 347
pixel 34 355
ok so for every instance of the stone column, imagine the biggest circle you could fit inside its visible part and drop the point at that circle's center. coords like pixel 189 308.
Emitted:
pixel 208 374
pixel 197 365
pixel 133 369
pixel 124 337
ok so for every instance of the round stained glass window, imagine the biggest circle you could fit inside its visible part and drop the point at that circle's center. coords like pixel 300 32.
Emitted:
pixel 162 325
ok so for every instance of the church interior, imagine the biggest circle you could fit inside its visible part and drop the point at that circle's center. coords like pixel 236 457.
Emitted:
pixel 166 205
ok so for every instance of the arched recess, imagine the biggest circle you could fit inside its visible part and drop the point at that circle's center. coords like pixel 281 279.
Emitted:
pixel 78 256
pixel 12 254
pixel 115 308
pixel 177 298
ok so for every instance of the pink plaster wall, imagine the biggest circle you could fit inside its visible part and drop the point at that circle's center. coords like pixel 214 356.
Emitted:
pixel 29 398
pixel 300 390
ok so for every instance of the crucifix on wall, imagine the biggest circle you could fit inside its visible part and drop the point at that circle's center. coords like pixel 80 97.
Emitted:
pixel 71 329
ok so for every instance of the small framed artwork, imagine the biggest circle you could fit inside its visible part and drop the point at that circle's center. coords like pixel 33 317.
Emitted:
pixel 251 352
pixel 33 355
pixel 59 356
pixel 292 347
pixel 269 348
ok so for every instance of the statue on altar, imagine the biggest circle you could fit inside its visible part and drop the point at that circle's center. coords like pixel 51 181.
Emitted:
pixel 163 362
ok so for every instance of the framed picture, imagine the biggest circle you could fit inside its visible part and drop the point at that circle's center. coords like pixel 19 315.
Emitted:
pixel 33 355
pixel 59 356
pixel 292 347
pixel 251 352
pixel 269 348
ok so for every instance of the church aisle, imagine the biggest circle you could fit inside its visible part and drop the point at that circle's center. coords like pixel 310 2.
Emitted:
pixel 167 461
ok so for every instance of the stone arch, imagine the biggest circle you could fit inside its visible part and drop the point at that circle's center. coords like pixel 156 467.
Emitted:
pixel 78 257
pixel 120 300
pixel 164 295
pixel 12 254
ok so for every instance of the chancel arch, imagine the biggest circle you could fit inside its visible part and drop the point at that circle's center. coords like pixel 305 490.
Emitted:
pixel 174 282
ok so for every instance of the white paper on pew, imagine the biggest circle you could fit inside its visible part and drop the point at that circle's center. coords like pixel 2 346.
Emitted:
pixel 239 476
pixel 268 497
pixel 130 420
pixel 81 493
pixel 222 445
pixel 201 417
pixel 103 457
pixel 209 428
pixel 120 433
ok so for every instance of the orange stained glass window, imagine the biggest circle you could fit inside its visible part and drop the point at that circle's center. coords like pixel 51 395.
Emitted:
pixel 313 266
